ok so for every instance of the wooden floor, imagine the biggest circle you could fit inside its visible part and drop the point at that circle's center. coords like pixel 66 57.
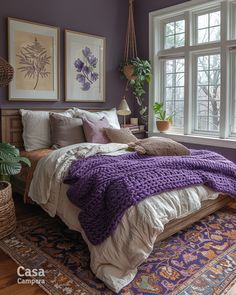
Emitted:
pixel 8 275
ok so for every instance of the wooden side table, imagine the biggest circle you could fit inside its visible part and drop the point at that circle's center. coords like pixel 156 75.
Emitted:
pixel 140 134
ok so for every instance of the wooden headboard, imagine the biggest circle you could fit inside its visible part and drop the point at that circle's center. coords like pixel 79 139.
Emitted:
pixel 11 127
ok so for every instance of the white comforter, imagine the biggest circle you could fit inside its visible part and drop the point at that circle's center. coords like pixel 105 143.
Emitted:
pixel 115 261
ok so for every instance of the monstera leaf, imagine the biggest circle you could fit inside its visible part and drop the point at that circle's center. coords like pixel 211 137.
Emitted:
pixel 10 160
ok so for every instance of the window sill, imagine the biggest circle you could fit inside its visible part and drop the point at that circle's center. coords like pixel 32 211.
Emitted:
pixel 196 139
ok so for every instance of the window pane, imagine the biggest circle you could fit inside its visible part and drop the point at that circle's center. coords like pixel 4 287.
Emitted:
pixel 203 21
pixel 170 42
pixel 170 29
pixel 180 26
pixel 203 35
pixel 208 27
pixel 174 91
pixel 233 113
pixel 215 19
pixel 208 93
pixel 215 34
pixel 174 34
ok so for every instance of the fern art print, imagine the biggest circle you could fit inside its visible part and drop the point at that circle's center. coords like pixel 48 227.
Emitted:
pixel 33 60
pixel 34 54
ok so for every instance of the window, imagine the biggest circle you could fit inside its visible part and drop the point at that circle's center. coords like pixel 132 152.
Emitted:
pixel 174 34
pixel 207 110
pixel 174 90
pixel 208 27
pixel 193 52
pixel 233 117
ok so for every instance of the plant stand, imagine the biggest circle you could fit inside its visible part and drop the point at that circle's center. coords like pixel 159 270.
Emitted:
pixel 7 210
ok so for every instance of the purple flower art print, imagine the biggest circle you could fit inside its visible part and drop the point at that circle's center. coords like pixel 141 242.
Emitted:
pixel 85 68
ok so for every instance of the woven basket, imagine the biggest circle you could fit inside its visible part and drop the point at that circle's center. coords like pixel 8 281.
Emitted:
pixel 128 71
pixel 6 72
pixel 7 210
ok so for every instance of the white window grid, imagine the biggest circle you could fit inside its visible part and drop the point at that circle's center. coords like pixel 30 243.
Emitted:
pixel 174 19
pixel 196 92
pixel 233 102
pixel 208 28
pixel 175 35
pixel 157 54
pixel 174 88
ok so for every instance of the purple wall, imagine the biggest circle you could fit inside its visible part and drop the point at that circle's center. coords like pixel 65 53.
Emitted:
pixel 142 9
pixel 103 17
pixel 107 18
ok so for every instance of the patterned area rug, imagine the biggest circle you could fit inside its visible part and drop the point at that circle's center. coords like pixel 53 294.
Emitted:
pixel 200 260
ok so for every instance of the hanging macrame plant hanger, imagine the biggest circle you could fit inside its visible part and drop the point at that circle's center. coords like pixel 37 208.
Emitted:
pixel 130 51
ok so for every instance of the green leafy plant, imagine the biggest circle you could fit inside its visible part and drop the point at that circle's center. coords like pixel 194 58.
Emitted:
pixel 141 75
pixel 161 113
pixel 10 161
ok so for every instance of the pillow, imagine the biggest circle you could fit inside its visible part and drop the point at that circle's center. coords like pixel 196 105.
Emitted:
pixel 159 146
pixel 110 115
pixel 94 130
pixel 36 130
pixel 65 131
pixel 123 135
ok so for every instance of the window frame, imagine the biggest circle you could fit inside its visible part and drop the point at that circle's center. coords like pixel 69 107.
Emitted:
pixel 163 73
pixel 194 96
pixel 163 24
pixel 195 15
pixel 233 91
pixel 189 11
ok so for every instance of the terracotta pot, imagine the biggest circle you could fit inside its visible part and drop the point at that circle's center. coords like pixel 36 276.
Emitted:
pixel 163 126
pixel 128 71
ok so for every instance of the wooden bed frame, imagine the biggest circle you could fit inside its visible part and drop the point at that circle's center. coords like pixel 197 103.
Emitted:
pixel 11 132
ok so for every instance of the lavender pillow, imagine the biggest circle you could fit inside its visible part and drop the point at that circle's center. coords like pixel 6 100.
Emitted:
pixel 94 130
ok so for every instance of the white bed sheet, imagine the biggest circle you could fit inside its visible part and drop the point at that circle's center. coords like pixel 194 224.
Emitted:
pixel 115 261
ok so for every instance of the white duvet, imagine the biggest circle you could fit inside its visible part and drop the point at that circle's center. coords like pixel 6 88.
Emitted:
pixel 114 261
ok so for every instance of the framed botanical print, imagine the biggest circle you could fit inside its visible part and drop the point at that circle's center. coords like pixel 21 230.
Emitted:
pixel 85 67
pixel 33 51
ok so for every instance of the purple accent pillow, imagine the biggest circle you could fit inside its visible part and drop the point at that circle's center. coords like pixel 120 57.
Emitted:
pixel 94 130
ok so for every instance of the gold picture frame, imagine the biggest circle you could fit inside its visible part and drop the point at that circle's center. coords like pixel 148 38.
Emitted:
pixel 85 56
pixel 33 51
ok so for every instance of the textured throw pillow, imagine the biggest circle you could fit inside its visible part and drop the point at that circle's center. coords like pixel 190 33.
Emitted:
pixel 122 135
pixel 36 129
pixel 65 131
pixel 110 115
pixel 94 130
pixel 159 146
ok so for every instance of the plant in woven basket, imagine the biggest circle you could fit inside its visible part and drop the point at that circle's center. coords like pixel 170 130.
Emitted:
pixel 10 161
pixel 137 72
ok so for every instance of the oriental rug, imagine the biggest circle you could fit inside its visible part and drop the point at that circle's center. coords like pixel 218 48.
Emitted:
pixel 200 260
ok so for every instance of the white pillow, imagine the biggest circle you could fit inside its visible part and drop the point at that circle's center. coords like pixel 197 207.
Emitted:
pixel 36 129
pixel 110 115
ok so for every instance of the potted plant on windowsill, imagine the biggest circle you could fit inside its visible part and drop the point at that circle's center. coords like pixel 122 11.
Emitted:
pixel 10 164
pixel 163 121
pixel 137 72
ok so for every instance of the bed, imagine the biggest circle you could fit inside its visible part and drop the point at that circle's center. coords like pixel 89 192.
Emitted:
pixel 11 131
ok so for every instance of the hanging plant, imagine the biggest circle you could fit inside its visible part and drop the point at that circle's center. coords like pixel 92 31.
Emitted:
pixel 137 72
pixel 134 69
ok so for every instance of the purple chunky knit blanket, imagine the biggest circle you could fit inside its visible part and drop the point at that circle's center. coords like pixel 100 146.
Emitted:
pixel 104 187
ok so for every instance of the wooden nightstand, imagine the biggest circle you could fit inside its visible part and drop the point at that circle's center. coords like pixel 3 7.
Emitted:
pixel 140 134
